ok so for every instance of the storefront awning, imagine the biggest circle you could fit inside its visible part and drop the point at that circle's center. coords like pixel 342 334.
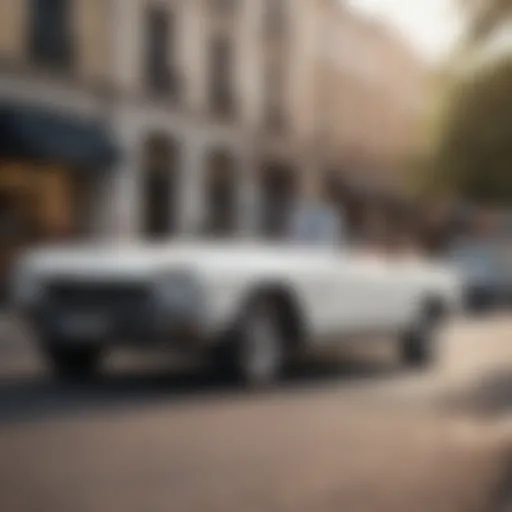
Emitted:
pixel 44 134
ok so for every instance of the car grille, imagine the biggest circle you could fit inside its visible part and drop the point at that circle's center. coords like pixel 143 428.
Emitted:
pixel 106 296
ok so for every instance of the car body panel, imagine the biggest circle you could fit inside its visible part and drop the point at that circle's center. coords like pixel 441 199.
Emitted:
pixel 335 292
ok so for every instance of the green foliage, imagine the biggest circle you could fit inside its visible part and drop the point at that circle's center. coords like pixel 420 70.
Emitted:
pixel 485 17
pixel 473 155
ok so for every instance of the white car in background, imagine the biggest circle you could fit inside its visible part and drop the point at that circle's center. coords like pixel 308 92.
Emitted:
pixel 485 266
pixel 251 307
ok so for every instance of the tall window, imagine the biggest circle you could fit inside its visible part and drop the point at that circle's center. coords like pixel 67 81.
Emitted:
pixel 161 73
pixel 274 17
pixel 51 34
pixel 224 7
pixel 274 107
pixel 160 186
pixel 221 193
pixel 221 77
pixel 279 189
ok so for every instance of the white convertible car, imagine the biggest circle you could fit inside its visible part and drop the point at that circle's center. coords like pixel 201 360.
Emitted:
pixel 249 306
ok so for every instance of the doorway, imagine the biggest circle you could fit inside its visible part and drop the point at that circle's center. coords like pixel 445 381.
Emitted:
pixel 160 187
pixel 279 191
pixel 221 194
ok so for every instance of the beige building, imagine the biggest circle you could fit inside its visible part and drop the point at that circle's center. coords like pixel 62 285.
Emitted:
pixel 218 108
pixel 238 113
pixel 377 92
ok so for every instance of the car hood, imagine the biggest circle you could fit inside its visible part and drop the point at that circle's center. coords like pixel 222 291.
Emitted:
pixel 215 259
pixel 139 260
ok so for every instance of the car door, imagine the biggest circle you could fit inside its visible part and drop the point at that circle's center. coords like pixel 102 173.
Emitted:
pixel 331 291
pixel 357 290
pixel 376 292
pixel 399 293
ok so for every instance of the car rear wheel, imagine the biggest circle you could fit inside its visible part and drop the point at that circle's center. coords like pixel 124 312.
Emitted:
pixel 417 350
pixel 73 363
pixel 419 345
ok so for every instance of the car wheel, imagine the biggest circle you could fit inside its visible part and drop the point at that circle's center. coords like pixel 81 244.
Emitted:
pixel 419 344
pixel 73 363
pixel 255 354
pixel 417 351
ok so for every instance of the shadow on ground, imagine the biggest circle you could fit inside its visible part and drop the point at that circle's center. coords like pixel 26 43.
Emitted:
pixel 40 397
pixel 488 396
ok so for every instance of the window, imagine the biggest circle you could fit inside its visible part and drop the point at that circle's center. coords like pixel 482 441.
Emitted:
pixel 160 186
pixel 274 108
pixel 274 17
pixel 221 76
pixel 50 33
pixel 161 73
pixel 224 7
pixel 221 193
pixel 279 190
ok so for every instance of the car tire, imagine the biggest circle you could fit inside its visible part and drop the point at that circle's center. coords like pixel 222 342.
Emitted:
pixel 417 351
pixel 73 363
pixel 418 345
pixel 255 353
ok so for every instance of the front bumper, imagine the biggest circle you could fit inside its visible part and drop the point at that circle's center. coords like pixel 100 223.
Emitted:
pixel 149 324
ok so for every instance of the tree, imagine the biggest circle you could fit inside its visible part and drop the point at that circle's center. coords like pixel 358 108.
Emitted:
pixel 485 17
pixel 473 154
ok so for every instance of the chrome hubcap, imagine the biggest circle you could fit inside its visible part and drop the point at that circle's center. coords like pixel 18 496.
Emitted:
pixel 261 351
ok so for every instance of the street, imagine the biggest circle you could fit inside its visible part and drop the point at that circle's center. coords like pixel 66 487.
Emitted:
pixel 358 434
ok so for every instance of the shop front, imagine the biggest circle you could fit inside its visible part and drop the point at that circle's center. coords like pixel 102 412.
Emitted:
pixel 50 167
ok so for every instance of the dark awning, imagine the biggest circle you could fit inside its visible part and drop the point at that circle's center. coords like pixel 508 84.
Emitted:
pixel 44 134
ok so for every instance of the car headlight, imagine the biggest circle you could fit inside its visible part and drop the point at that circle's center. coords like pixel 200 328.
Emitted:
pixel 179 290
pixel 25 288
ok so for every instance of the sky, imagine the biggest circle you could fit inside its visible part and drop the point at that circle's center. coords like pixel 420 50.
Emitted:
pixel 432 26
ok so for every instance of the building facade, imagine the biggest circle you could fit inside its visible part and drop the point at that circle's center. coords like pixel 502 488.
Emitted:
pixel 232 100
pixel 251 96
pixel 219 110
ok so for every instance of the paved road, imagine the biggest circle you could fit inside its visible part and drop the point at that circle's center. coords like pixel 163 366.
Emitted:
pixel 359 435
